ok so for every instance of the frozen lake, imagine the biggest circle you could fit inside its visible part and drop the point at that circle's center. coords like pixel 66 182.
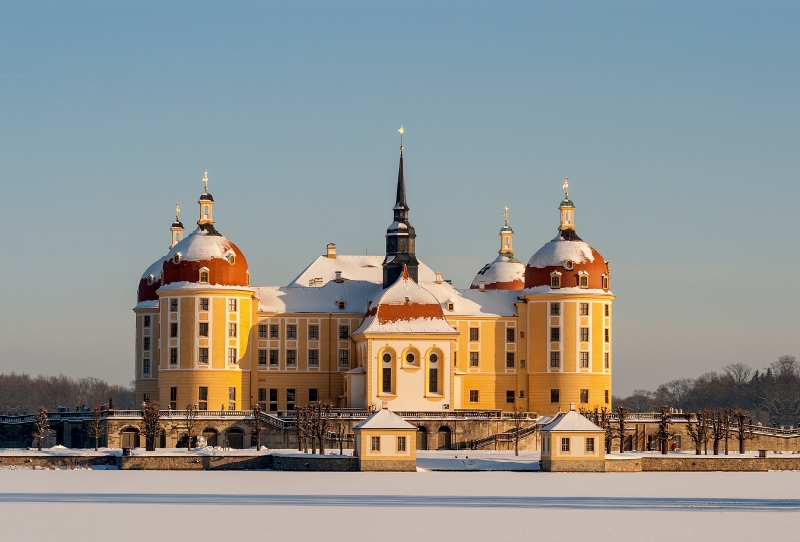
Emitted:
pixel 495 505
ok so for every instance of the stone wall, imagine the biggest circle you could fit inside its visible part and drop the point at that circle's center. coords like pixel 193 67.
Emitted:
pixel 389 466
pixel 701 464
pixel 572 466
pixel 337 463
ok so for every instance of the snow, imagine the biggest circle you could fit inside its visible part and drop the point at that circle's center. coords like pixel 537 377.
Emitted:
pixel 385 419
pixel 474 302
pixel 95 505
pixel 199 245
pixel 571 421
pixel 186 285
pixel 152 304
pixel 361 268
pixel 501 270
pixel 154 269
pixel 558 251
pixel 355 294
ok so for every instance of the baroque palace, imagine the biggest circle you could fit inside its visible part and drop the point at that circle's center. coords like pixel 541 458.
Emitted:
pixel 366 331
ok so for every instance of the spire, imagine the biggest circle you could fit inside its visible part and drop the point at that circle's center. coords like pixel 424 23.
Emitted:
pixel 206 202
pixel 177 227
pixel 400 235
pixel 567 209
pixel 507 240
pixel 400 201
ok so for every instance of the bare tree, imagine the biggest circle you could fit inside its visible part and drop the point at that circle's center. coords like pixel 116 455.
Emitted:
pixel 517 418
pixel 664 435
pixel 190 419
pixel 718 428
pixel 322 421
pixel 95 426
pixel 41 426
pixel 258 425
pixel 622 413
pixel 697 431
pixel 743 432
pixel 739 373
pixel 303 428
pixel 726 415
pixel 151 424
pixel 341 433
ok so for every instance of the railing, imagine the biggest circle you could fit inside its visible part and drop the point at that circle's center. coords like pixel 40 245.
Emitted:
pixel 505 436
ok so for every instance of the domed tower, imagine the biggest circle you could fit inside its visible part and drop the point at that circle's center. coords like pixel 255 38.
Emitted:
pixel 569 320
pixel 506 272
pixel 206 311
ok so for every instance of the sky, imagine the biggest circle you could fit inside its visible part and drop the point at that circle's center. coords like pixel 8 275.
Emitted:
pixel 676 122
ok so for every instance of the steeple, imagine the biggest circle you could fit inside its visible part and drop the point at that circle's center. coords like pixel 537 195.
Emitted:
pixel 567 209
pixel 206 202
pixel 177 227
pixel 400 235
pixel 507 240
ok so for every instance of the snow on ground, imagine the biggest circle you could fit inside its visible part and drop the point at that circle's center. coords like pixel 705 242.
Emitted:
pixel 80 505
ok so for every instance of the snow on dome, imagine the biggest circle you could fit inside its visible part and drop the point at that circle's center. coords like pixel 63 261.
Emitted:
pixel 149 283
pixel 202 245
pixel 559 250
pixel 206 249
pixel 504 273
pixel 155 269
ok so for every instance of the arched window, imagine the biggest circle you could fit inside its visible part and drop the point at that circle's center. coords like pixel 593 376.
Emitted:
pixel 386 374
pixel 433 374
pixel 555 279
pixel 451 306
pixel 605 282
pixel 205 211
pixel 583 279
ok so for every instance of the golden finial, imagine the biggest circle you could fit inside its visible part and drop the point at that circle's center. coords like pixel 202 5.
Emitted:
pixel 566 188
pixel 177 213
pixel 505 215
pixel 401 136
pixel 205 181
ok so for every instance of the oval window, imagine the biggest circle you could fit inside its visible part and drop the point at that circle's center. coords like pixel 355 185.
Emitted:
pixel 434 358
pixel 231 259
pixel 568 264
pixel 410 358
pixel 387 358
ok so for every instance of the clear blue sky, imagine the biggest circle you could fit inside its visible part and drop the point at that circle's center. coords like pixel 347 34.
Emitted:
pixel 677 123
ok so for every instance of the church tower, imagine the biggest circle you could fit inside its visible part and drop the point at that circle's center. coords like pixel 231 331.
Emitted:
pixel 400 235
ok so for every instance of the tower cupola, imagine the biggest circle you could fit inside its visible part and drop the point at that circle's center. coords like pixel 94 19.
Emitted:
pixel 206 204
pixel 506 239
pixel 177 227
pixel 567 209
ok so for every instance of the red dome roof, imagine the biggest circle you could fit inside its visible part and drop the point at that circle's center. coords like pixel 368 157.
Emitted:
pixel 570 256
pixel 150 282
pixel 206 248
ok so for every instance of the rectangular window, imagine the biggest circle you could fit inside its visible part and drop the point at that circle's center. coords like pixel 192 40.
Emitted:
pixel 232 329
pixel 146 366
pixel 606 394
pixel 584 309
pixel 173 356
pixel 262 395
pixel 555 334
pixel 510 364
pixel 473 334
pixel 510 334
pixel 522 363
pixel 584 396
pixel 344 358
pixel 203 303
pixel 262 357
pixel 146 321
pixel 565 444
pixel 202 395
pixel 231 398
pixel 510 396
pixel 584 334
pixel 401 444
pixel 273 358
pixel 554 396
pixel 555 309
pixel 473 396
pixel 433 380
pixel 522 394
pixel 203 332
pixel 606 335
pixel 262 331
pixel 590 445
pixel 584 359
pixel 290 396
pixel 273 331
pixel 146 397
pixel 273 400
pixel 376 444
pixel 313 395
pixel 555 359
pixel 173 393
pixel 291 331
pixel 313 333
pixel 232 359
pixel 173 330
pixel 344 332
pixel 473 359
pixel 387 380
pixel 606 361
pixel 291 358
pixel 173 305
pixel 232 305
pixel 555 281
pixel 146 344
pixel 606 309
pixel 313 358
pixel 202 357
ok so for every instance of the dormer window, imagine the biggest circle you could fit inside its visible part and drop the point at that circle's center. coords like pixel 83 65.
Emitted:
pixel 231 259
pixel 569 265
pixel 555 279
pixel 583 279
pixel 204 275
pixel 177 257
pixel 150 280
pixel 605 282
pixel 341 304
pixel 451 306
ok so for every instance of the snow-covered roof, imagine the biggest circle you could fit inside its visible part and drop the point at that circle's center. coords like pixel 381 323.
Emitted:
pixel 154 269
pixel 298 299
pixel 572 421
pixel 558 251
pixel 185 285
pixel 474 302
pixel 363 268
pixel 201 245
pixel 384 419
pixel 502 271
pixel 150 304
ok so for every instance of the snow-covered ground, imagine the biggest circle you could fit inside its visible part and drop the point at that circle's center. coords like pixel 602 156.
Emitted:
pixel 79 505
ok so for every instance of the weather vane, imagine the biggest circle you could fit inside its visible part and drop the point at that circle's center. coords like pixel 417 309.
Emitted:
pixel 401 136
pixel 505 214
pixel 205 181
pixel 566 188
pixel 177 213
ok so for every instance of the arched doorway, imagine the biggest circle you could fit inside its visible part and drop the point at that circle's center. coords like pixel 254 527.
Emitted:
pixel 235 438
pixel 445 438
pixel 211 436
pixel 422 438
pixel 129 438
pixel 75 440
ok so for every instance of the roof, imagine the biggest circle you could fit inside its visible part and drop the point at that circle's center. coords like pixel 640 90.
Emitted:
pixel 363 268
pixel 503 273
pixel 202 245
pixel 154 269
pixel 297 299
pixel 385 419
pixel 558 251
pixel 572 421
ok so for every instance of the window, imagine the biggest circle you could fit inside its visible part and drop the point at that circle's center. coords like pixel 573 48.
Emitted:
pixel 146 321
pixel 344 332
pixel 291 358
pixel 433 380
pixel 401 444
pixel 606 309
pixel 231 398
pixel 584 357
pixel 173 330
pixel 203 303
pixel 204 276
pixel 584 396
pixel 410 358
pixel 522 394
pixel 473 396
pixel 605 282
pixel 173 305
pixel 312 395
pixel 590 445
pixel 202 357
pixel 146 366
pixel 510 360
pixel 273 400
pixel 273 331
pixel 262 357
pixel 232 359
pixel 231 259
pixel 606 395
pixel 554 396
pixel 606 361
pixel 555 334
pixel 451 306
pixel 313 333
pixel 510 396
pixel 344 358
pixel 232 329
pixel 173 393
pixel 202 394
pixel 584 309
pixel 555 309
pixel 341 305
pixel 146 344
pixel 203 331
pixel 262 331
pixel 473 334
pixel 510 334
pixel 376 444
pixel 569 265
pixel 522 363
pixel 291 331
pixel 273 358
pixel 387 358
pixel 262 395
pixel 584 334
pixel 555 281
pixel 583 281
pixel 555 359
pixel 173 356
pixel 146 397
pixel 473 359
pixel 434 358
pixel 232 305
pixel 565 444
pixel 606 334
pixel 387 380
pixel 313 358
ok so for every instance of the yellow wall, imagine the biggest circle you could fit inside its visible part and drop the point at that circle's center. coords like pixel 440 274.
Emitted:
pixel 388 449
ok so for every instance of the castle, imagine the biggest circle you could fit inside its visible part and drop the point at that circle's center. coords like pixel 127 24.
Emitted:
pixel 363 331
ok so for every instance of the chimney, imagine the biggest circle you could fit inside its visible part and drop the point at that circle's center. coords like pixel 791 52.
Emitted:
pixel 482 286
pixel 331 250
pixel 438 278
pixel 572 406
pixel 338 273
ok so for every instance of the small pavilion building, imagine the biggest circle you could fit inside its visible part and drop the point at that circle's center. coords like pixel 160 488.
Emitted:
pixel 386 442
pixel 572 443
